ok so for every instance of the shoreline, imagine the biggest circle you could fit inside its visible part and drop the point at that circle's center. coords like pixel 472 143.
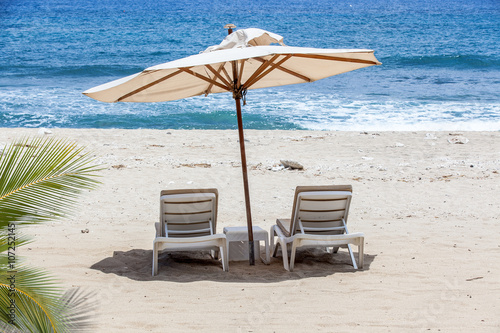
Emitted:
pixel 427 205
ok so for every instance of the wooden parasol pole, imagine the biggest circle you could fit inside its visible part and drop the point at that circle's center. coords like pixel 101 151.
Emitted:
pixel 237 98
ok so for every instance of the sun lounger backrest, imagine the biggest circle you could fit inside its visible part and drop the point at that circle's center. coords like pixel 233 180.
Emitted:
pixel 188 213
pixel 321 209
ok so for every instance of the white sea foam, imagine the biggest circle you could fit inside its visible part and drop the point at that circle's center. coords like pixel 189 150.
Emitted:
pixel 321 113
pixel 35 107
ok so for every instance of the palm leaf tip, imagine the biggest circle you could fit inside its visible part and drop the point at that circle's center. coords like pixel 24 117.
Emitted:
pixel 80 308
pixel 74 311
pixel 41 178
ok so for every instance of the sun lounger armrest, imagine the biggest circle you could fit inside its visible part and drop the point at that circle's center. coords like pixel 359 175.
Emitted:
pixel 283 225
pixel 355 238
pixel 199 239
pixel 158 229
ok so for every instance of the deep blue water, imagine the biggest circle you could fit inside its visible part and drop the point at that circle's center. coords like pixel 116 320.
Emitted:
pixel 441 63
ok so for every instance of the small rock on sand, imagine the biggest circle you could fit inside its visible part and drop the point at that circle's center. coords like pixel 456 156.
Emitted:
pixel 291 164
pixel 458 140
pixel 43 131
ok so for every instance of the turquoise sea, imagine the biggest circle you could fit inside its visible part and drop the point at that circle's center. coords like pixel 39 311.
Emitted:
pixel 441 63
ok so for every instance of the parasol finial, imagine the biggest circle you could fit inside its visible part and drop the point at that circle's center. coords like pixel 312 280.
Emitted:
pixel 229 28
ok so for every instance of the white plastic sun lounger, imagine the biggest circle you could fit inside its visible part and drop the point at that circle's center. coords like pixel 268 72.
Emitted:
pixel 188 221
pixel 319 219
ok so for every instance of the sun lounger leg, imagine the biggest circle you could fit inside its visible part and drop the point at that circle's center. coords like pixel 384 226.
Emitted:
pixel 352 256
pixel 361 250
pixel 292 255
pixel 271 241
pixel 284 252
pixel 155 259
pixel 268 259
pixel 285 257
pixel 224 256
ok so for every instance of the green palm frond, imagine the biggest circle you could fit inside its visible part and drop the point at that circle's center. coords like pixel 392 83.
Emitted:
pixel 40 179
pixel 6 328
pixel 12 242
pixel 78 308
pixel 40 306
pixel 29 315
pixel 35 294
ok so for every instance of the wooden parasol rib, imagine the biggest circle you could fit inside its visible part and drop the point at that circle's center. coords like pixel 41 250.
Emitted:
pixel 273 66
pixel 217 74
pixel 208 79
pixel 262 68
pixel 210 86
pixel 331 58
pixel 289 71
pixel 149 85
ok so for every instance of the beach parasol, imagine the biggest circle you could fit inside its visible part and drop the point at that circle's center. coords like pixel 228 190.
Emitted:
pixel 244 60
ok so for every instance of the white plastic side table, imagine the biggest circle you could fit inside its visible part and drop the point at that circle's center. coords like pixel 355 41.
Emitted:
pixel 237 243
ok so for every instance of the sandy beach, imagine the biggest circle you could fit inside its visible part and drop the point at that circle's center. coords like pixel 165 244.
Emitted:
pixel 427 203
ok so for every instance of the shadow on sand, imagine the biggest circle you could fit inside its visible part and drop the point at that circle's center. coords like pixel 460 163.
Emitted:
pixel 199 266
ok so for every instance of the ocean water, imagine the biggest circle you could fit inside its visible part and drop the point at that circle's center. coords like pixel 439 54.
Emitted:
pixel 441 63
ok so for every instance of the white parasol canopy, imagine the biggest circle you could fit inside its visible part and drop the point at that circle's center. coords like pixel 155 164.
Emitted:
pixel 209 72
